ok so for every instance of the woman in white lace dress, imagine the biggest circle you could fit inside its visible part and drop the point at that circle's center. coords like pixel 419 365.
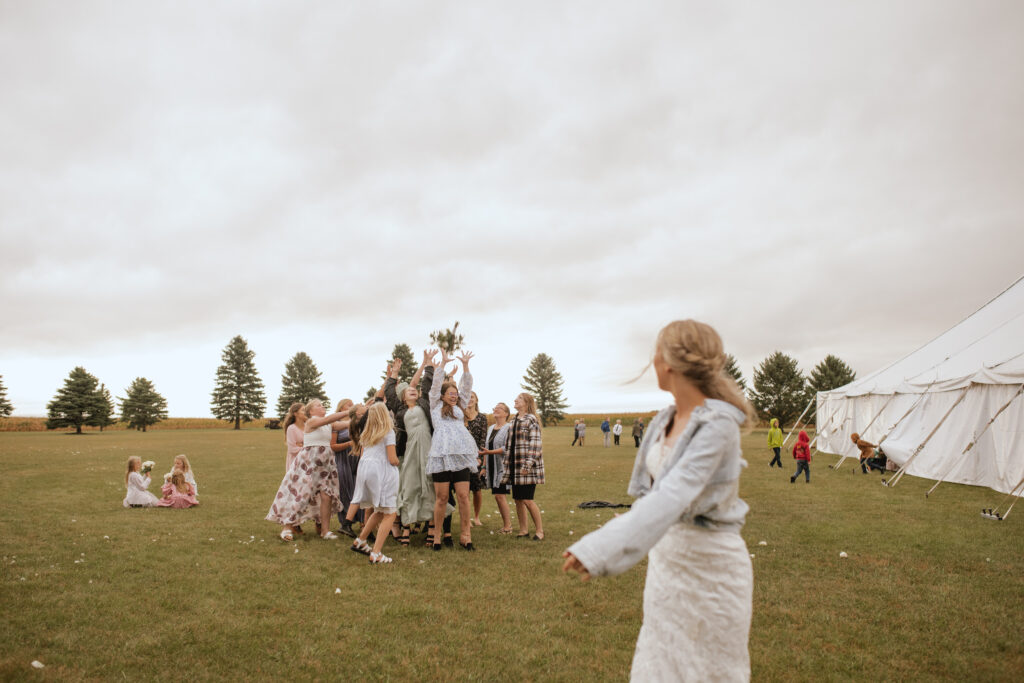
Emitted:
pixel 453 451
pixel 697 599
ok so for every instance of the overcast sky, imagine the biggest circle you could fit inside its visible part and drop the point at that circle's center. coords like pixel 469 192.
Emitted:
pixel 337 177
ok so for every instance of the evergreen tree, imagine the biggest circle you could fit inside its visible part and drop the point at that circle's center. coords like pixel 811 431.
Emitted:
pixel 545 383
pixel 301 382
pixel 733 369
pixel 142 406
pixel 409 364
pixel 105 417
pixel 779 389
pixel 448 340
pixel 830 374
pixel 77 403
pixel 238 394
pixel 370 393
pixel 5 406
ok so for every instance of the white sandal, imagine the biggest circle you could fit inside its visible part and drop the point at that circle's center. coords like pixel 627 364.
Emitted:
pixel 380 558
pixel 329 536
pixel 360 546
pixel 286 535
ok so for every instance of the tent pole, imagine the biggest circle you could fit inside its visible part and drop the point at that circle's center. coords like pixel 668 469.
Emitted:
pixel 984 429
pixel 813 399
pixel 899 474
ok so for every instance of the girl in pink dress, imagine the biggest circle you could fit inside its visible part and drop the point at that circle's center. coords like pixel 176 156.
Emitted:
pixel 178 493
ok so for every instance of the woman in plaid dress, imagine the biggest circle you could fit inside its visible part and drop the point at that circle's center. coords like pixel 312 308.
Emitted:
pixel 524 465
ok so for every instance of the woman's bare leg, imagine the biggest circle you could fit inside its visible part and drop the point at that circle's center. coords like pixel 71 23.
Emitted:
pixel 462 496
pixel 506 519
pixel 440 505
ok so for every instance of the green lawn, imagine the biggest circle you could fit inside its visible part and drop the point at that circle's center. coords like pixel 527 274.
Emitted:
pixel 930 590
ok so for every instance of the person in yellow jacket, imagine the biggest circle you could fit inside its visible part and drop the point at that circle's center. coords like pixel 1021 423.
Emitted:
pixel 775 442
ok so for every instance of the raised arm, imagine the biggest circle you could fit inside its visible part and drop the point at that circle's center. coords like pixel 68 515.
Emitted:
pixel 391 397
pixel 435 387
pixel 414 382
pixel 466 382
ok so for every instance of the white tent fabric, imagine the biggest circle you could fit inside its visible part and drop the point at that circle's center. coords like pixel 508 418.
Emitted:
pixel 912 405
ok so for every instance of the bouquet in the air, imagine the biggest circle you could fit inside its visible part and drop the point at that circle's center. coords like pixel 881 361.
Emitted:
pixel 147 466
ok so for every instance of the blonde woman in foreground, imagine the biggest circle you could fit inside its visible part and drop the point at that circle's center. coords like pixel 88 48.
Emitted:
pixel 698 594
pixel 377 482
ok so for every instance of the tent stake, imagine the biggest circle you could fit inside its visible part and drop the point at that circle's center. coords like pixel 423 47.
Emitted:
pixel 993 513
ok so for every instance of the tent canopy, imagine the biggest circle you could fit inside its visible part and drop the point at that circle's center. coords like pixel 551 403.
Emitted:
pixel 950 410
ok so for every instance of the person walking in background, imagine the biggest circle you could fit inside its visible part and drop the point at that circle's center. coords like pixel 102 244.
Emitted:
pixel 775 442
pixel 802 454
pixel 523 463
pixel 575 432
pixel 582 430
pixel 617 431
pixel 687 518
pixel 638 431
pixel 606 431
pixel 866 448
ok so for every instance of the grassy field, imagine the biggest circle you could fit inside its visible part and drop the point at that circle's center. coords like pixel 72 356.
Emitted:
pixel 929 590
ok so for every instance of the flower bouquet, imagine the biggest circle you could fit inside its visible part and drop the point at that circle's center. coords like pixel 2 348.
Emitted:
pixel 147 466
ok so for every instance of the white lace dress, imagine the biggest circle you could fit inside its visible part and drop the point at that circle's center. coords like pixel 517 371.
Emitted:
pixel 697 603
pixel 138 492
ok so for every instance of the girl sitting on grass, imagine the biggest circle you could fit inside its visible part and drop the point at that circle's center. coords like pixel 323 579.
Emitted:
pixel 137 485
pixel 181 463
pixel 377 481
pixel 178 493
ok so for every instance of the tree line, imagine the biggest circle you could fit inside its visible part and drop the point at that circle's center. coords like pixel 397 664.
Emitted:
pixel 238 395
pixel 779 390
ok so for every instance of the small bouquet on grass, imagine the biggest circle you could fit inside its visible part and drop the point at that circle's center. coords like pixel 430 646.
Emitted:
pixel 147 466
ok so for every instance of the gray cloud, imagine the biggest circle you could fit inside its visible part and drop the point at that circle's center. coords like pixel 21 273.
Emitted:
pixel 814 179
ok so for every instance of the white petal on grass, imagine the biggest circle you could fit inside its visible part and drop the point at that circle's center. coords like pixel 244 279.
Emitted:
pixel 843 555
pixel 337 591
pixel 570 532
pixel 763 543
pixel 36 664
pixel 752 555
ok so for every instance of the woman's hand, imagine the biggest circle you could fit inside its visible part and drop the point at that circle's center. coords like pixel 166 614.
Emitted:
pixel 464 359
pixel 574 565
pixel 396 365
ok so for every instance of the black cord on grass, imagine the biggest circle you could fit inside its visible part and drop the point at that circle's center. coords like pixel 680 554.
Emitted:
pixel 591 504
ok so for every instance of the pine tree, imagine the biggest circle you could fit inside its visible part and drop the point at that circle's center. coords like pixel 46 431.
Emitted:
pixel 238 394
pixel 105 417
pixel 370 393
pixel 779 389
pixel 733 369
pixel 545 383
pixel 301 382
pixel 830 374
pixel 5 406
pixel 409 364
pixel 77 403
pixel 142 406
pixel 448 340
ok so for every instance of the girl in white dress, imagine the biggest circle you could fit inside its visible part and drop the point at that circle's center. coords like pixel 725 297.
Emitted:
pixel 377 481
pixel 453 450
pixel 137 484
pixel 698 595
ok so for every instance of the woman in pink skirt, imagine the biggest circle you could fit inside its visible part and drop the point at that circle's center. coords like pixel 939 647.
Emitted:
pixel 309 489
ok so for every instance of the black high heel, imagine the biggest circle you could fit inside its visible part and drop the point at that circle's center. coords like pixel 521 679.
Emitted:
pixel 467 546
pixel 447 540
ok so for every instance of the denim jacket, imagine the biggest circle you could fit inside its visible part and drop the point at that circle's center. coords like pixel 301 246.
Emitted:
pixel 698 485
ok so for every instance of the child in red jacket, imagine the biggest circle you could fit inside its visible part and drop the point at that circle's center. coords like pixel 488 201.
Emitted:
pixel 802 453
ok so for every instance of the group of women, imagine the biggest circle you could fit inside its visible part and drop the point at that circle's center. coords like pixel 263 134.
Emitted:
pixel 687 518
pixel 408 458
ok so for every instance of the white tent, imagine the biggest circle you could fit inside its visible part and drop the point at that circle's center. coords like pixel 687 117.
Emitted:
pixel 951 411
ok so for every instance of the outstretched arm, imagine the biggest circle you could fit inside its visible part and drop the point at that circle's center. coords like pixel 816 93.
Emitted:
pixel 466 382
